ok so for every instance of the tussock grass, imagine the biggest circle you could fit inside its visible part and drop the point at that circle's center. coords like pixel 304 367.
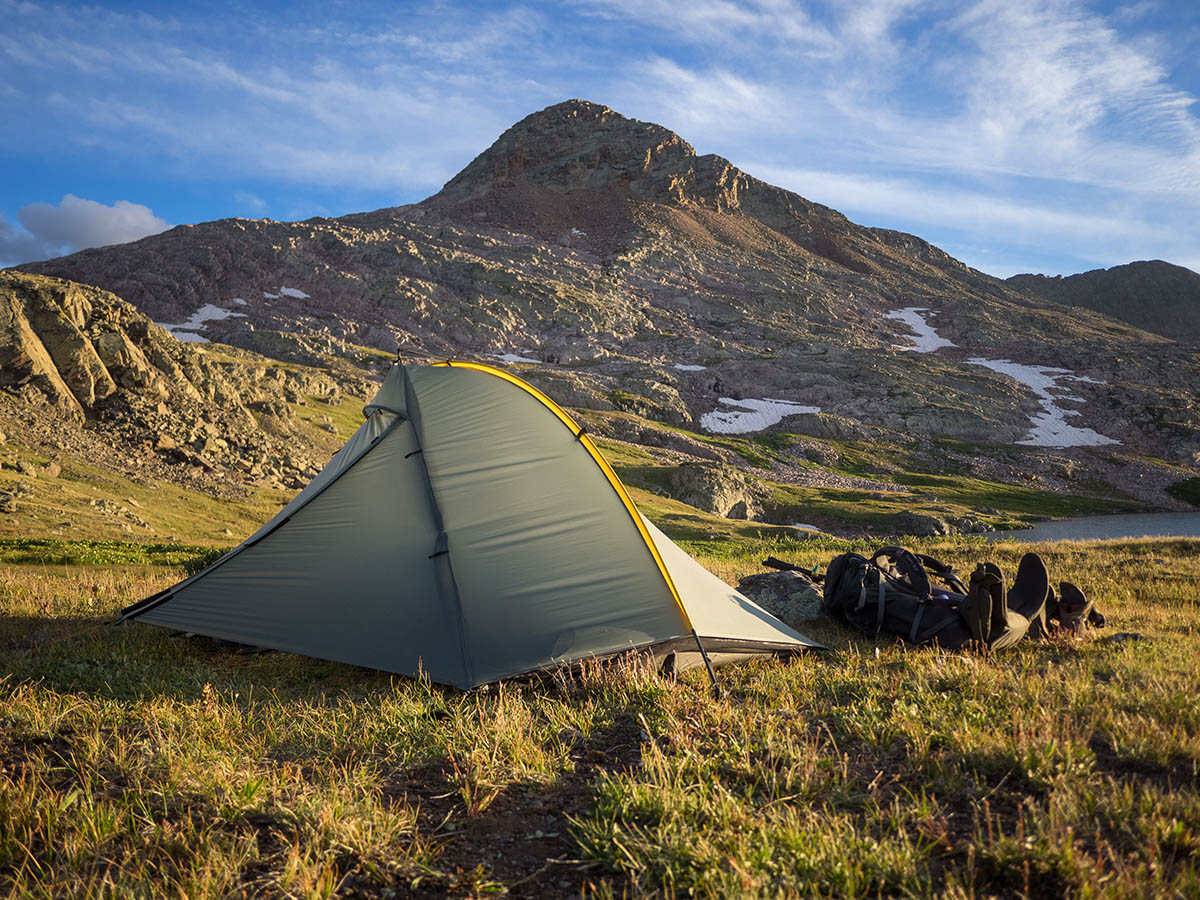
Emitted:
pixel 136 763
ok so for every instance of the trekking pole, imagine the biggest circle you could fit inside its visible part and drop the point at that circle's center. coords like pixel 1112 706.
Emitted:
pixel 716 686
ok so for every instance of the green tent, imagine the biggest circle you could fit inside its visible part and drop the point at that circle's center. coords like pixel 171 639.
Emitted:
pixel 470 530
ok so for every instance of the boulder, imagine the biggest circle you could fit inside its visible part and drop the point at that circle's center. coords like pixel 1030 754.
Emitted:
pixel 715 488
pixel 788 596
pixel 919 525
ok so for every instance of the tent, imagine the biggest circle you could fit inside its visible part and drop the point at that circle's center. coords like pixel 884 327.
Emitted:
pixel 470 530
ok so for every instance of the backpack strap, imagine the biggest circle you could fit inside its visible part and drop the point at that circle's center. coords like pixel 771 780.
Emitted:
pixel 943 572
pixel 912 634
pixel 911 577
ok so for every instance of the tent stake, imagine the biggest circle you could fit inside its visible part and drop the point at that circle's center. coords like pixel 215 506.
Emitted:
pixel 716 687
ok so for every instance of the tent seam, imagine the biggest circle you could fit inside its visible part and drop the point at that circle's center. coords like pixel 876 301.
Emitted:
pixel 414 413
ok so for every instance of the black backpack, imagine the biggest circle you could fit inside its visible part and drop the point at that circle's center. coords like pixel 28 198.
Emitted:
pixel 893 592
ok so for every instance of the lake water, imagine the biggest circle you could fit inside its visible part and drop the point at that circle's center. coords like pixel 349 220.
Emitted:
pixel 1127 525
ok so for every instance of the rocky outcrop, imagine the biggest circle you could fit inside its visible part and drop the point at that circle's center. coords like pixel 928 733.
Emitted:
pixel 788 596
pixel 72 346
pixel 920 525
pixel 90 360
pixel 714 488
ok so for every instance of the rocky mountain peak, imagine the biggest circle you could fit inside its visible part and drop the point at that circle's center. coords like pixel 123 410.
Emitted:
pixel 582 146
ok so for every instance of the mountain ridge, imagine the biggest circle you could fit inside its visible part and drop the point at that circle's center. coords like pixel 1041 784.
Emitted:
pixel 1154 295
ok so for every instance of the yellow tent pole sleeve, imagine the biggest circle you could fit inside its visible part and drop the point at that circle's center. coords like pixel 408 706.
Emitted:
pixel 600 461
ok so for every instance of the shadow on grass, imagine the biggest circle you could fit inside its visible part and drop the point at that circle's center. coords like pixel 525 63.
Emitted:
pixel 130 662
pixel 519 835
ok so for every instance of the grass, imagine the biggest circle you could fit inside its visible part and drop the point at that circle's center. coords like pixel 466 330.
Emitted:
pixel 136 763
pixel 51 551
pixel 61 507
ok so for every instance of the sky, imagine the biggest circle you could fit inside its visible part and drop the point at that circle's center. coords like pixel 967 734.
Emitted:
pixel 1049 136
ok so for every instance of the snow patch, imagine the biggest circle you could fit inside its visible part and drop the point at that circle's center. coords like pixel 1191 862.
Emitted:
pixel 185 331
pixel 238 301
pixel 685 368
pixel 271 296
pixel 577 231
pixel 293 292
pixel 800 526
pixel 751 415
pixel 1049 428
pixel 925 339
pixel 513 358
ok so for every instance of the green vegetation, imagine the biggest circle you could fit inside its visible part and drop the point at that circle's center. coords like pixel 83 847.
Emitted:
pixel 1187 490
pixel 135 763
pixel 98 553
pixel 345 415
pixel 85 502
pixel 1013 499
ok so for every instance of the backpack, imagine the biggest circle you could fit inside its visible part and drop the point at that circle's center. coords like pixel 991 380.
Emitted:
pixel 894 591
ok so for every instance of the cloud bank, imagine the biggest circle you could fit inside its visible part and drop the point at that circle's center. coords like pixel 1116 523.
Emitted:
pixel 74 224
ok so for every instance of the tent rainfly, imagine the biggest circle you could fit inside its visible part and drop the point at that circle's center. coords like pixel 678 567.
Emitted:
pixel 469 530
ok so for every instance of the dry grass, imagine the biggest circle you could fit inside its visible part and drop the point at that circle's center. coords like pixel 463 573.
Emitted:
pixel 138 763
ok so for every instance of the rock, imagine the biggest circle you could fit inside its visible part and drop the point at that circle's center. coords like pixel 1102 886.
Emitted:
pixel 652 400
pixel 25 467
pixel 3 437
pixel 8 503
pixel 568 389
pixel 919 525
pixel 788 596
pixel 1121 637
pixel 714 488
pixel 52 470
pixel 164 442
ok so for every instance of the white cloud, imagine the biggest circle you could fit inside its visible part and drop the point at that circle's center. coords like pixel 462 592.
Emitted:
pixel 781 21
pixel 74 224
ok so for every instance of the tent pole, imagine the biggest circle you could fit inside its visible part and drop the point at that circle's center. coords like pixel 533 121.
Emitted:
pixel 716 687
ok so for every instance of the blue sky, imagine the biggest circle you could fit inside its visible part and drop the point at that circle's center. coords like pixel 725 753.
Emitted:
pixel 1019 135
